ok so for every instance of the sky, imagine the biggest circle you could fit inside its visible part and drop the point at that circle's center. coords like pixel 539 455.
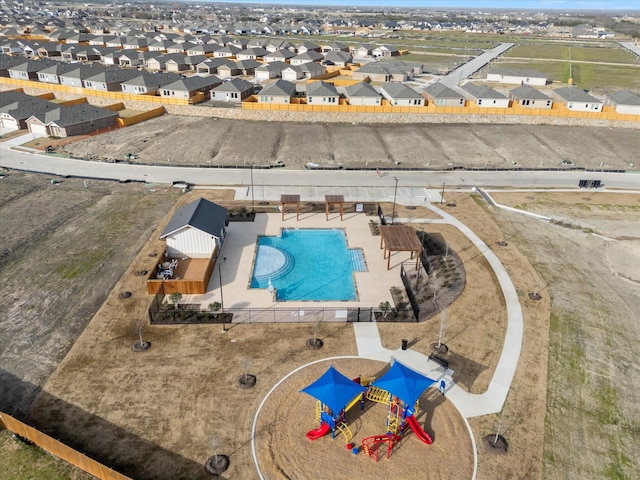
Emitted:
pixel 474 4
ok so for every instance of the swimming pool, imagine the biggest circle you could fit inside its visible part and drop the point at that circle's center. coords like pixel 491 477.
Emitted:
pixel 308 264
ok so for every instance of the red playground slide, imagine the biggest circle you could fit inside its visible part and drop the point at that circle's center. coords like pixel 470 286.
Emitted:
pixel 320 432
pixel 417 429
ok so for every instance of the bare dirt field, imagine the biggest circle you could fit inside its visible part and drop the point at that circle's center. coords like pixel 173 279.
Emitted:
pixel 152 415
pixel 175 140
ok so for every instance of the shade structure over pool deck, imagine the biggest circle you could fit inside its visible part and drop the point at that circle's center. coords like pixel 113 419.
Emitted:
pixel 290 199
pixel 399 238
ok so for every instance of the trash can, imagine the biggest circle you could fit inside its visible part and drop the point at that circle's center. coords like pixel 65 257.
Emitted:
pixel 405 343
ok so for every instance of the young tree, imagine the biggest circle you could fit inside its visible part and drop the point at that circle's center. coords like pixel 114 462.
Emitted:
pixel 175 297
pixel 385 307
pixel 442 330
pixel 139 328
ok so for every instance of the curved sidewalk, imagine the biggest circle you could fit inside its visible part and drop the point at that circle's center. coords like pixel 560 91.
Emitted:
pixel 469 404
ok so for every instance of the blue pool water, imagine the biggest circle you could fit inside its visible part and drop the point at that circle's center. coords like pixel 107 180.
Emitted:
pixel 308 264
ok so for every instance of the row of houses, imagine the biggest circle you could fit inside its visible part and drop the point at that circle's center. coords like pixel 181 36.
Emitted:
pixel 20 111
pixel 222 46
pixel 281 89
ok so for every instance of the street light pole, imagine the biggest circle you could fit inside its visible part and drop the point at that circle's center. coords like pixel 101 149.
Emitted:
pixel 253 203
pixel 224 327
pixel 395 193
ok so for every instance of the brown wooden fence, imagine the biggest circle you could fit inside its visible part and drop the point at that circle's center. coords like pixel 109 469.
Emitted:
pixel 59 449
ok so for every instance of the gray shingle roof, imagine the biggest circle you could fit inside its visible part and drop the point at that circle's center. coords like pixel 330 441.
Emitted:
pixel 440 90
pixel 625 97
pixel 279 88
pixel 399 90
pixel 65 116
pixel 481 91
pixel 321 89
pixel 193 83
pixel 361 89
pixel 528 92
pixel 574 94
pixel 202 214
pixel 235 85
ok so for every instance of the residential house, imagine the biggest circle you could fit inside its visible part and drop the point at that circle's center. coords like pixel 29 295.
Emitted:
pixel 66 121
pixel 149 83
pixel 110 79
pixel 362 94
pixel 232 91
pixel 442 96
pixel 625 101
pixel 88 54
pixel 279 56
pixel 306 70
pixel 270 70
pixel 335 47
pixel 385 51
pixel 28 69
pixel 50 50
pixel 399 94
pixel 275 45
pixel 52 73
pixel 160 46
pixel 517 76
pixel 134 43
pixel 306 57
pixel 204 49
pixel 227 51
pixel 278 92
pixel 76 77
pixel 308 47
pixel 528 97
pixel 182 48
pixel 229 70
pixel 188 87
pixel 385 72
pixel 177 63
pixel 322 93
pixel 486 97
pixel 337 58
pixel 577 99
pixel 363 50
pixel 7 62
pixel 211 65
pixel 17 107
pixel 196 230
pixel 251 53
pixel 130 58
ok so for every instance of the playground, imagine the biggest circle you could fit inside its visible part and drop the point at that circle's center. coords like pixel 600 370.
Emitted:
pixel 280 454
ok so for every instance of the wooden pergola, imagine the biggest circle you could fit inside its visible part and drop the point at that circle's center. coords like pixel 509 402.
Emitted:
pixel 333 200
pixel 399 238
pixel 290 200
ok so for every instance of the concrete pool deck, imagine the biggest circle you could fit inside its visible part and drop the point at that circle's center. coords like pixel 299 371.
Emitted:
pixel 240 246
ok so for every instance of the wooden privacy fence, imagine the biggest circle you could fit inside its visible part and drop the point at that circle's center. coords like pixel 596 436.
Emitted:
pixel 141 117
pixel 59 449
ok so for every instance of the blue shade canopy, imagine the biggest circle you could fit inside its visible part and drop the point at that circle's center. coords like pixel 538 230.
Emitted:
pixel 334 390
pixel 404 383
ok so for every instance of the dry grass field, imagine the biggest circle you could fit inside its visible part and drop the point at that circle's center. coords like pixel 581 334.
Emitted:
pixel 153 415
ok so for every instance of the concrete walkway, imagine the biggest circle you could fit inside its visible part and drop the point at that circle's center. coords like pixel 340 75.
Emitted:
pixel 469 404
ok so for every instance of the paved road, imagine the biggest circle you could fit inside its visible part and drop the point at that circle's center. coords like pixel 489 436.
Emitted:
pixel 632 47
pixel 306 180
pixel 473 65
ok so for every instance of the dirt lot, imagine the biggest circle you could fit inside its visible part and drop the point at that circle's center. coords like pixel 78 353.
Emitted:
pixel 152 415
pixel 205 141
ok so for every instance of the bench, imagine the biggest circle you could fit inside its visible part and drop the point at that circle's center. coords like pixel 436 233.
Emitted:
pixel 440 361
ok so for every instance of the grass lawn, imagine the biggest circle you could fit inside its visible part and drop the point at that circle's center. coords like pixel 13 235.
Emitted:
pixel 609 77
pixel 556 71
pixel 25 462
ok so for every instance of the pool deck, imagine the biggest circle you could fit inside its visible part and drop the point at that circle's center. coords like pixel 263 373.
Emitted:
pixel 240 246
